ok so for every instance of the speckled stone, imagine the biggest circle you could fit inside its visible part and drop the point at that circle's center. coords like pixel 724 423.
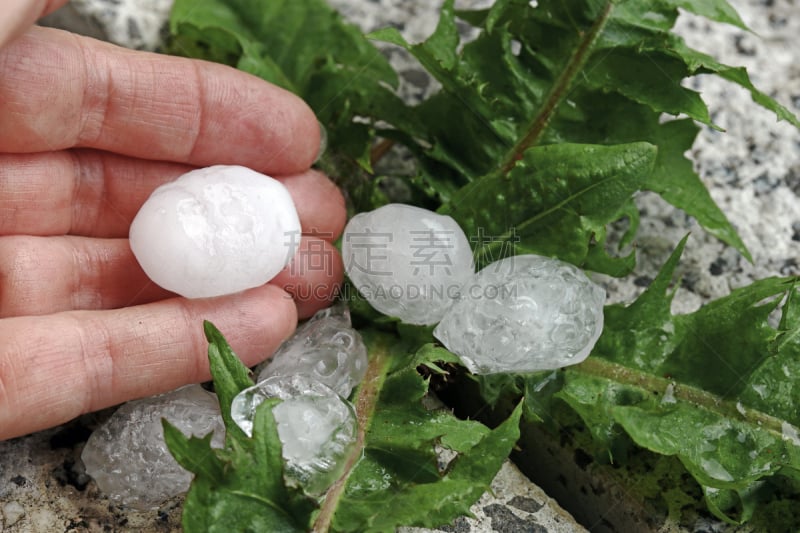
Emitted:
pixel 42 474
pixel 752 170
pixel 138 24
pixel 514 505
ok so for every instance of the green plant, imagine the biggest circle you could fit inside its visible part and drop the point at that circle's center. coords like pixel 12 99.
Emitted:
pixel 569 109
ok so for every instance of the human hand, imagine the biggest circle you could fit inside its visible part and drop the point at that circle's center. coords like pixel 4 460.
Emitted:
pixel 87 131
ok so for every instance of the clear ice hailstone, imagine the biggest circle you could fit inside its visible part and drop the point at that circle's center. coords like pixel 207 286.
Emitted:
pixel 215 231
pixel 408 262
pixel 317 427
pixel 127 455
pixel 325 348
pixel 522 314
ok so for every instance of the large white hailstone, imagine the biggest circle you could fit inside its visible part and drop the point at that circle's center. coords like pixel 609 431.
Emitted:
pixel 326 349
pixel 127 455
pixel 215 231
pixel 316 426
pixel 522 314
pixel 408 262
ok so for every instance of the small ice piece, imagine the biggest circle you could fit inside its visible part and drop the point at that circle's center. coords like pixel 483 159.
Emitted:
pixel 215 231
pixel 715 470
pixel 127 455
pixel 790 433
pixel 317 427
pixel 408 262
pixel 326 349
pixel 522 314
pixel 669 395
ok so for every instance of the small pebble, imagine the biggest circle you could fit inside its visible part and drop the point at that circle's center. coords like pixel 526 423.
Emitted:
pixel 12 511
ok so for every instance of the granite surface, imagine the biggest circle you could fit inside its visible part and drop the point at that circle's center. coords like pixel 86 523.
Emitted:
pixel 752 170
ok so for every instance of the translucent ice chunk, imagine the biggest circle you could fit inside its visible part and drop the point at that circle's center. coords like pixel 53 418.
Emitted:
pixel 326 349
pixel 408 262
pixel 317 427
pixel 522 314
pixel 127 456
pixel 216 230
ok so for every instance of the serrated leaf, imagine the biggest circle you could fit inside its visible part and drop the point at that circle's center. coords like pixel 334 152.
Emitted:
pixel 434 504
pixel 554 202
pixel 241 487
pixel 650 78
pixel 309 49
pixel 541 75
pixel 702 63
pixel 230 375
pixel 718 10
pixel 397 481
pixel 713 388
pixel 252 494
pixel 193 453
pixel 276 32
pixel 613 119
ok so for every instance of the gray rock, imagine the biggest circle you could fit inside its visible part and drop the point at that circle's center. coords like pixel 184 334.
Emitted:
pixel 12 512
pixel 71 18
pixel 139 24
pixel 513 505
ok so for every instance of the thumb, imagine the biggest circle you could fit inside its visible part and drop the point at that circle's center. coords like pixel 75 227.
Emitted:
pixel 18 15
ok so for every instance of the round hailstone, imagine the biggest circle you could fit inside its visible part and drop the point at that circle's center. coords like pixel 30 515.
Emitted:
pixel 408 262
pixel 522 314
pixel 215 231
pixel 127 455
pixel 326 349
pixel 316 426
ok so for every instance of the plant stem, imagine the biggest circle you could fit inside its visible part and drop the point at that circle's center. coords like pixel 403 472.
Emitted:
pixel 380 150
pixel 596 366
pixel 366 399
pixel 557 92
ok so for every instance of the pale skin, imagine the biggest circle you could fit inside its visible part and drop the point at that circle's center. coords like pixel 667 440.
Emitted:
pixel 87 131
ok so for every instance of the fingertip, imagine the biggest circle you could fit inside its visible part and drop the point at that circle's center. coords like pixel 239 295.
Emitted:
pixel 258 124
pixel 307 308
pixel 320 204
pixel 314 277
pixel 291 134
pixel 265 317
pixel 334 206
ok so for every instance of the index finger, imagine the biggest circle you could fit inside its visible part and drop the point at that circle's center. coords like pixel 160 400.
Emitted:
pixel 56 367
pixel 59 90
